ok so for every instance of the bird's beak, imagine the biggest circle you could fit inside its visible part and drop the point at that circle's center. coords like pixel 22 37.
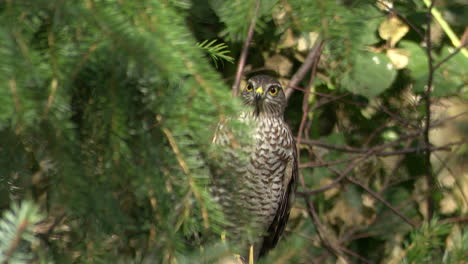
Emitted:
pixel 258 94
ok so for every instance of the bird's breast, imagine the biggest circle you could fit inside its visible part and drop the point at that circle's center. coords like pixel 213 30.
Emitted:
pixel 268 162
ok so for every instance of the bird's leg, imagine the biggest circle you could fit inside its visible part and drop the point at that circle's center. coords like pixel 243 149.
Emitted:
pixel 251 254
pixel 237 257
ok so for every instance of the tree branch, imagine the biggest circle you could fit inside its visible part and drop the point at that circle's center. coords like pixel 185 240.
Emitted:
pixel 455 52
pixel 330 245
pixel 245 51
pixel 427 98
pixel 377 196
pixel 302 71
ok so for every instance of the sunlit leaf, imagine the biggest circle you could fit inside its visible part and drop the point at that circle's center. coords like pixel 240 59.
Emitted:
pixel 371 74
pixel 392 30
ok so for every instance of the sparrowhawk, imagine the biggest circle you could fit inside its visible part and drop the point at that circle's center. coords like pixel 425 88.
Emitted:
pixel 257 196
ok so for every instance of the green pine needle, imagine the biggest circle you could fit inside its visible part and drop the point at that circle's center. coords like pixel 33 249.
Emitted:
pixel 217 52
pixel 16 232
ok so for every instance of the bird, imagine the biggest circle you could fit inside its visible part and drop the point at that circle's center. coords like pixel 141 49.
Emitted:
pixel 259 178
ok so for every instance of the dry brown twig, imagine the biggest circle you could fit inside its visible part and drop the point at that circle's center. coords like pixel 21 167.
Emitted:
pixel 427 99
pixel 302 71
pixel 313 59
pixel 245 51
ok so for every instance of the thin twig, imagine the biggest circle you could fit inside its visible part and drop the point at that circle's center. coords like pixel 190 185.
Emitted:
pixel 394 116
pixel 455 52
pixel 326 164
pixel 14 94
pixel 456 219
pixel 394 11
pixel 340 98
pixel 331 246
pixel 377 196
pixel 350 167
pixel 380 154
pixel 324 102
pixel 427 98
pixel 342 174
pixel 356 255
pixel 439 122
pixel 323 188
pixel 416 149
pixel 245 51
pixel 302 71
pixel 333 147
pixel 313 57
pixel 360 150
pixel 305 102
pixel 445 165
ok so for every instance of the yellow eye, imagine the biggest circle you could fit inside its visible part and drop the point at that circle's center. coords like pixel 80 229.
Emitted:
pixel 249 87
pixel 274 90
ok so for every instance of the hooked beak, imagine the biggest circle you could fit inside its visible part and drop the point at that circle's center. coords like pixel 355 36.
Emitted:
pixel 258 98
pixel 258 94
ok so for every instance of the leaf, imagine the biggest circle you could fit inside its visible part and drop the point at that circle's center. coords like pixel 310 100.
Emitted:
pixel 454 71
pixel 287 39
pixel 393 29
pixel 307 41
pixel 371 74
pixel 448 79
pixel 448 205
pixel 417 64
pixel 398 57
pixel 279 63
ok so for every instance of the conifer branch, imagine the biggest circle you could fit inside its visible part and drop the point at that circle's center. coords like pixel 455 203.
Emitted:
pixel 16 227
pixel 186 171
pixel 15 243
pixel 217 51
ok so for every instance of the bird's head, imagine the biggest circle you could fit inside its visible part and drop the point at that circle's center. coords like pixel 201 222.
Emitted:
pixel 265 95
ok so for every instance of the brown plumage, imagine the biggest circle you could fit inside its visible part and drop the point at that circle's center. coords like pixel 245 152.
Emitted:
pixel 257 193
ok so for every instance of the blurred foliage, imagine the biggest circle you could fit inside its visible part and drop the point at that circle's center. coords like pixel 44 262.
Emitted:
pixel 17 233
pixel 108 108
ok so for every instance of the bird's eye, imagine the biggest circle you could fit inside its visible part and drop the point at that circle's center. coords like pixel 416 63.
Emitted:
pixel 249 87
pixel 274 90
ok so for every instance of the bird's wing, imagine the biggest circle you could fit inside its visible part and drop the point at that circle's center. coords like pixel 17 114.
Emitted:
pixel 281 218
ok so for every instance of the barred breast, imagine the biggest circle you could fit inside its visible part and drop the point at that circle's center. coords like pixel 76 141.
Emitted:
pixel 266 170
pixel 252 197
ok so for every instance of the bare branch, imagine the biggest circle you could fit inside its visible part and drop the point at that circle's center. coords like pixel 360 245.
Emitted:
pixel 455 52
pixel 330 245
pixel 302 71
pixel 445 165
pixel 327 163
pixel 245 51
pixel 356 255
pixel 427 98
pixel 378 197
pixel 305 102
